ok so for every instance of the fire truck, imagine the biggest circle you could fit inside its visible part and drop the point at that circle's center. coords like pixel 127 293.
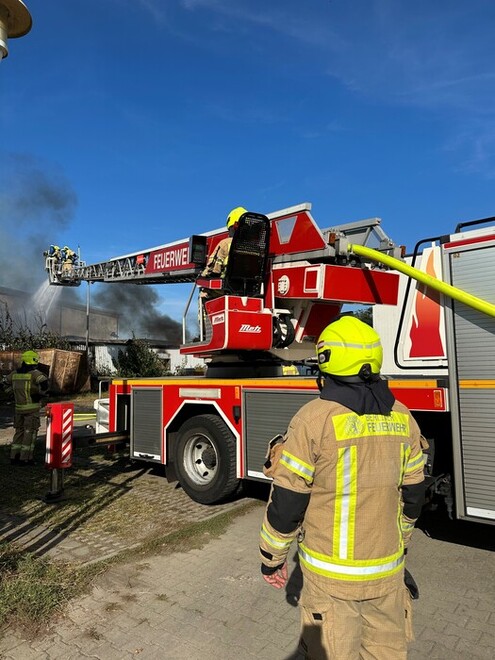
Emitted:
pixel 286 279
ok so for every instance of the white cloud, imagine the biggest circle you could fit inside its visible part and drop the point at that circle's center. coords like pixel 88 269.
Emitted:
pixel 476 145
pixel 155 8
pixel 286 17
pixel 433 54
pixel 436 56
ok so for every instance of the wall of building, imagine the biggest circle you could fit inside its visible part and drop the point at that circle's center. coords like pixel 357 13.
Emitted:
pixel 103 357
pixel 181 362
pixel 64 319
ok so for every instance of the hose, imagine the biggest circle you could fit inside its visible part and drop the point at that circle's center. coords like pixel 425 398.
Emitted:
pixel 430 281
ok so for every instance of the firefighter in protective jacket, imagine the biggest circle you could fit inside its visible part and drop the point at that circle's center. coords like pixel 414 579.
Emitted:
pixel 217 261
pixel 29 386
pixel 349 485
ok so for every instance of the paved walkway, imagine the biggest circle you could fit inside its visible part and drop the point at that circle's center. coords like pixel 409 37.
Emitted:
pixel 109 505
pixel 211 603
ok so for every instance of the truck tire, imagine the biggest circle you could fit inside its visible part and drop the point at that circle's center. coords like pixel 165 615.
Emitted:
pixel 205 459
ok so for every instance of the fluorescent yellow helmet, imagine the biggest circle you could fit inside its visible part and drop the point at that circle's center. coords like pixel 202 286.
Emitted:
pixel 234 216
pixel 30 357
pixel 346 345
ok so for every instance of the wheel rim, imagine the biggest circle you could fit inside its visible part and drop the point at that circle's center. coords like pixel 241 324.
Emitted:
pixel 200 460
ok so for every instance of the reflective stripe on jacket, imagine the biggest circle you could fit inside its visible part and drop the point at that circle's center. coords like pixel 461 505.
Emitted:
pixel 347 471
pixel 28 388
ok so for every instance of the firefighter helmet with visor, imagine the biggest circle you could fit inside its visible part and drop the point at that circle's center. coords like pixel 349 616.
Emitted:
pixel 30 357
pixel 234 216
pixel 349 347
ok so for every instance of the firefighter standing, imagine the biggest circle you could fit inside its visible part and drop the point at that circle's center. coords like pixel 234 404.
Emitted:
pixel 29 386
pixel 350 485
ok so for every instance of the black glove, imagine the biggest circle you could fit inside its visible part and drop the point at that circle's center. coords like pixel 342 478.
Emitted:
pixel 410 583
pixel 270 570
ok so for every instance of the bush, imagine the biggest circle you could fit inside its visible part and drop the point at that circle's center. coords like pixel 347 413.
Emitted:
pixel 139 361
pixel 19 335
pixel 365 314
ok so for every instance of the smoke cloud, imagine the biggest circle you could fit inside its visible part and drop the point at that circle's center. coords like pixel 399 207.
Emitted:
pixel 137 306
pixel 35 203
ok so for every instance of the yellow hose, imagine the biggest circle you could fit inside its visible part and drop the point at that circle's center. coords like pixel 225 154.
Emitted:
pixel 424 278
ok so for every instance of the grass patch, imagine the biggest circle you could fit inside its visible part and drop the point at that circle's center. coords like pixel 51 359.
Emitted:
pixel 190 537
pixel 33 588
pixel 94 486
pixel 103 493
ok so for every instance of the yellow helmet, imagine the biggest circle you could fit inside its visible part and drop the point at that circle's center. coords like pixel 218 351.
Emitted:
pixel 30 357
pixel 234 216
pixel 346 346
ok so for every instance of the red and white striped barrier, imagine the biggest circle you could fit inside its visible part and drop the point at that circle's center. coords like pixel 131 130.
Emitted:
pixel 59 426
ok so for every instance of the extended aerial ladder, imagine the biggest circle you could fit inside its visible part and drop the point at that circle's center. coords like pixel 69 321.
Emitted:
pixel 286 280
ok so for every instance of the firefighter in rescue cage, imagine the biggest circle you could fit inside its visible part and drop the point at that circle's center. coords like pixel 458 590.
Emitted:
pixel 55 253
pixel 30 388
pixel 349 485
pixel 69 259
pixel 218 259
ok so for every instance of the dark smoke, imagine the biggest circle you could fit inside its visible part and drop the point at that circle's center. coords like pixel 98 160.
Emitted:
pixel 35 204
pixel 138 314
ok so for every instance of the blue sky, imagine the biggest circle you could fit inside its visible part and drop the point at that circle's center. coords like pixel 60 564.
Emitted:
pixel 131 123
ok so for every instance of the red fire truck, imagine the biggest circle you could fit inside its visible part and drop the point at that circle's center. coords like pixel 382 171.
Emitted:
pixel 286 279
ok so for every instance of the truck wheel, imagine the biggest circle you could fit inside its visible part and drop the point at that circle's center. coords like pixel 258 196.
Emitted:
pixel 205 459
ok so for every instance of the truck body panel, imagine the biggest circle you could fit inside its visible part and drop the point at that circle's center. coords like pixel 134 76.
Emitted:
pixel 435 335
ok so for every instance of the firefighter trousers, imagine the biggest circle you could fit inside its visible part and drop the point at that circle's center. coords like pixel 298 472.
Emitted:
pixel 26 425
pixel 374 629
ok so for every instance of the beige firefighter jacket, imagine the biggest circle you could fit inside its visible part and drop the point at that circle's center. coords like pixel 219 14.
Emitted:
pixel 351 469
pixel 217 262
pixel 28 388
